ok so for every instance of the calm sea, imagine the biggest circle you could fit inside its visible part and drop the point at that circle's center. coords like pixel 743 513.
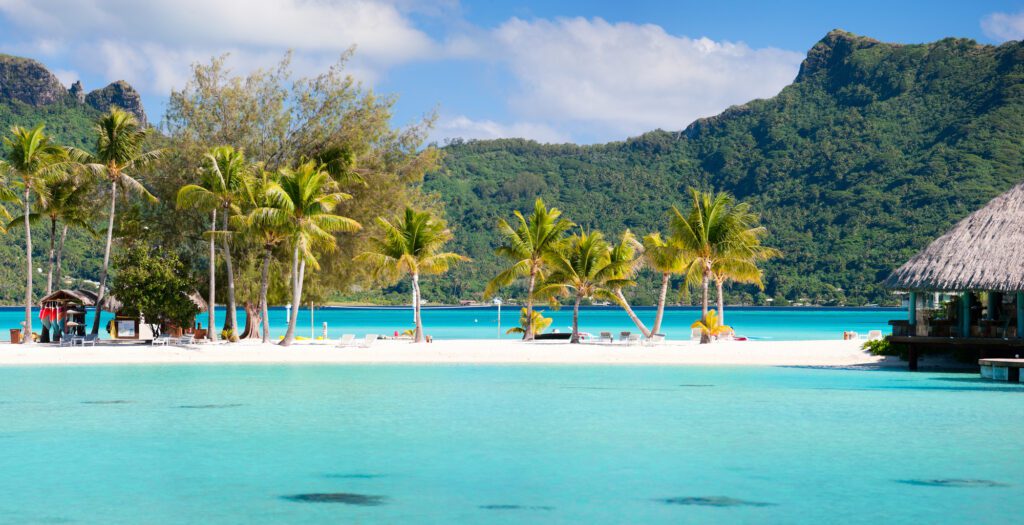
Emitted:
pixel 506 445
pixel 482 323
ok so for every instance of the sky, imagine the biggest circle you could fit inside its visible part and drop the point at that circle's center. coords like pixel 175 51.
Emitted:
pixel 549 70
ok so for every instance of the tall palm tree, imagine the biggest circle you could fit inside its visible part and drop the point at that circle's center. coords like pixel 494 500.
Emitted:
pixel 667 259
pixel 31 158
pixel 713 226
pixel 582 268
pixel 526 245
pixel 411 245
pixel 272 235
pixel 624 256
pixel 739 263
pixel 302 205
pixel 225 181
pixel 119 154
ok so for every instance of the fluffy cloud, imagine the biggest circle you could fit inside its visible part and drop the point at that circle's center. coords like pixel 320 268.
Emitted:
pixel 1004 26
pixel 626 78
pixel 463 127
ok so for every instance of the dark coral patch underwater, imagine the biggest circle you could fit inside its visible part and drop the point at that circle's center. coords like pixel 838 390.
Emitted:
pixel 516 507
pixel 713 501
pixel 224 405
pixel 953 482
pixel 346 498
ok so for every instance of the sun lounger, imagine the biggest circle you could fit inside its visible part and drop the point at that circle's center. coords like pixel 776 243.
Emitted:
pixel 368 341
pixel 162 340
pixel 695 334
pixel 606 337
pixel 185 339
pixel 874 334
pixel 89 340
pixel 624 337
pixel 70 340
pixel 632 338
pixel 346 340
pixel 655 339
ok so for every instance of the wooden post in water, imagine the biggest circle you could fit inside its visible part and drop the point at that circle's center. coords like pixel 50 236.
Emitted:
pixel 965 314
pixel 912 312
pixel 1020 315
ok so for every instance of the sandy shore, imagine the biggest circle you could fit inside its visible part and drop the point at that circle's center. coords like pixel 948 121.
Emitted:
pixel 754 353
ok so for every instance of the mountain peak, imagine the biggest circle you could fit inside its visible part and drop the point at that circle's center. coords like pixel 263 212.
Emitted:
pixel 831 50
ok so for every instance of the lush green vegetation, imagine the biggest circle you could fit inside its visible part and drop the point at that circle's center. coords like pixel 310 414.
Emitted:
pixel 871 153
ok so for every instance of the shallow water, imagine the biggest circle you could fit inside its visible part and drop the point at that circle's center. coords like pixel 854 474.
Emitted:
pixel 478 323
pixel 506 444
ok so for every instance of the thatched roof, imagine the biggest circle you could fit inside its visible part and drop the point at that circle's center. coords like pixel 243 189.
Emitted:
pixel 82 297
pixel 984 251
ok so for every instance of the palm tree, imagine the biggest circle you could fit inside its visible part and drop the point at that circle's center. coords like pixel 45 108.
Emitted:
pixel 714 225
pixel 410 245
pixel 526 245
pixel 739 263
pixel 301 204
pixel 270 234
pixel 119 153
pixel 536 322
pixel 582 268
pixel 32 159
pixel 225 178
pixel 710 326
pixel 667 259
pixel 624 257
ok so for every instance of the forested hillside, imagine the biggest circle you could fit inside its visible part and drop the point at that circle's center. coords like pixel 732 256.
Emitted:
pixel 873 151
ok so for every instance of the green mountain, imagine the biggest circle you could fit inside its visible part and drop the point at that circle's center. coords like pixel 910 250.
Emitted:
pixel 871 152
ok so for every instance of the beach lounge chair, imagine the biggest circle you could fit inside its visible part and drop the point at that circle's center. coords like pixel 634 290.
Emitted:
pixel 162 340
pixel 368 341
pixel 874 334
pixel 655 339
pixel 633 338
pixel 185 339
pixel 695 334
pixel 69 340
pixel 346 340
pixel 606 337
pixel 624 337
pixel 89 340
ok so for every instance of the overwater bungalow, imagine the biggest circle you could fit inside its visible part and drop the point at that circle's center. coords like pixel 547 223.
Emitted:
pixel 966 289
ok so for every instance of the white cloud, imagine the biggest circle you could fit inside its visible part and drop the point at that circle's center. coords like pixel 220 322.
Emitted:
pixel 466 128
pixel 626 78
pixel 1003 26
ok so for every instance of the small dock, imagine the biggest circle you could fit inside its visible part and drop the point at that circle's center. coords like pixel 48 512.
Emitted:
pixel 1001 369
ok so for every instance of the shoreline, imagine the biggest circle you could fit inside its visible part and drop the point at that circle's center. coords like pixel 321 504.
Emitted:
pixel 836 353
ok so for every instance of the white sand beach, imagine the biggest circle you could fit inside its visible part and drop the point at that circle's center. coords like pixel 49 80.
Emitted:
pixel 753 353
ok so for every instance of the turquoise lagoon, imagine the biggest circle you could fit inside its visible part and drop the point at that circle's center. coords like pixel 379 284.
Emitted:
pixel 482 323
pixel 506 444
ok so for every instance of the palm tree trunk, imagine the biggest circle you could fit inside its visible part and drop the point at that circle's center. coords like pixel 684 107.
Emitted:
pixel 632 315
pixel 211 328
pixel 417 336
pixel 576 321
pixel 53 244
pixel 264 285
pixel 721 301
pixel 106 261
pixel 232 317
pixel 704 299
pixel 293 315
pixel 58 274
pixel 665 278
pixel 528 334
pixel 26 335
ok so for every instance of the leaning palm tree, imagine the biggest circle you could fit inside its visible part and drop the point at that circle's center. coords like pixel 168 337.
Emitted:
pixel 119 154
pixel 667 259
pixel 714 225
pixel 225 178
pixel 628 262
pixel 526 245
pixel 301 204
pixel 582 268
pixel 271 234
pixel 31 159
pixel 410 244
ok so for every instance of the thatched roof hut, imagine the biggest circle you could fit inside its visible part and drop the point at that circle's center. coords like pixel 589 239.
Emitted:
pixel 983 252
pixel 82 297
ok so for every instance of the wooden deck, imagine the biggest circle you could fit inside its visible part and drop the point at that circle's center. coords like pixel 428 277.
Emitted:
pixel 1001 369
pixel 986 347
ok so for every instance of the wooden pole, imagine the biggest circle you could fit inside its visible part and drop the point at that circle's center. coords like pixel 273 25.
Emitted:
pixel 912 311
pixel 1020 315
pixel 965 314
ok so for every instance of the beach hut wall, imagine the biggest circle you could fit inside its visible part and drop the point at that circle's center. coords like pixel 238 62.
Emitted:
pixel 983 252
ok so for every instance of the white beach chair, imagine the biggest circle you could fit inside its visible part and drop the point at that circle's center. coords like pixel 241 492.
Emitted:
pixel 346 340
pixel 695 334
pixel 162 340
pixel 368 341
pixel 606 337
pixel 69 340
pixel 89 340
pixel 874 335
pixel 655 339
pixel 624 337
pixel 185 340
pixel 632 338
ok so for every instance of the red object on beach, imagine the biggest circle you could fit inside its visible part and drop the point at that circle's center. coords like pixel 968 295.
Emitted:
pixel 739 339
pixel 396 333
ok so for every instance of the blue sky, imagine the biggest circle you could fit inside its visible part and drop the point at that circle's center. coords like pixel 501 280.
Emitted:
pixel 554 71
